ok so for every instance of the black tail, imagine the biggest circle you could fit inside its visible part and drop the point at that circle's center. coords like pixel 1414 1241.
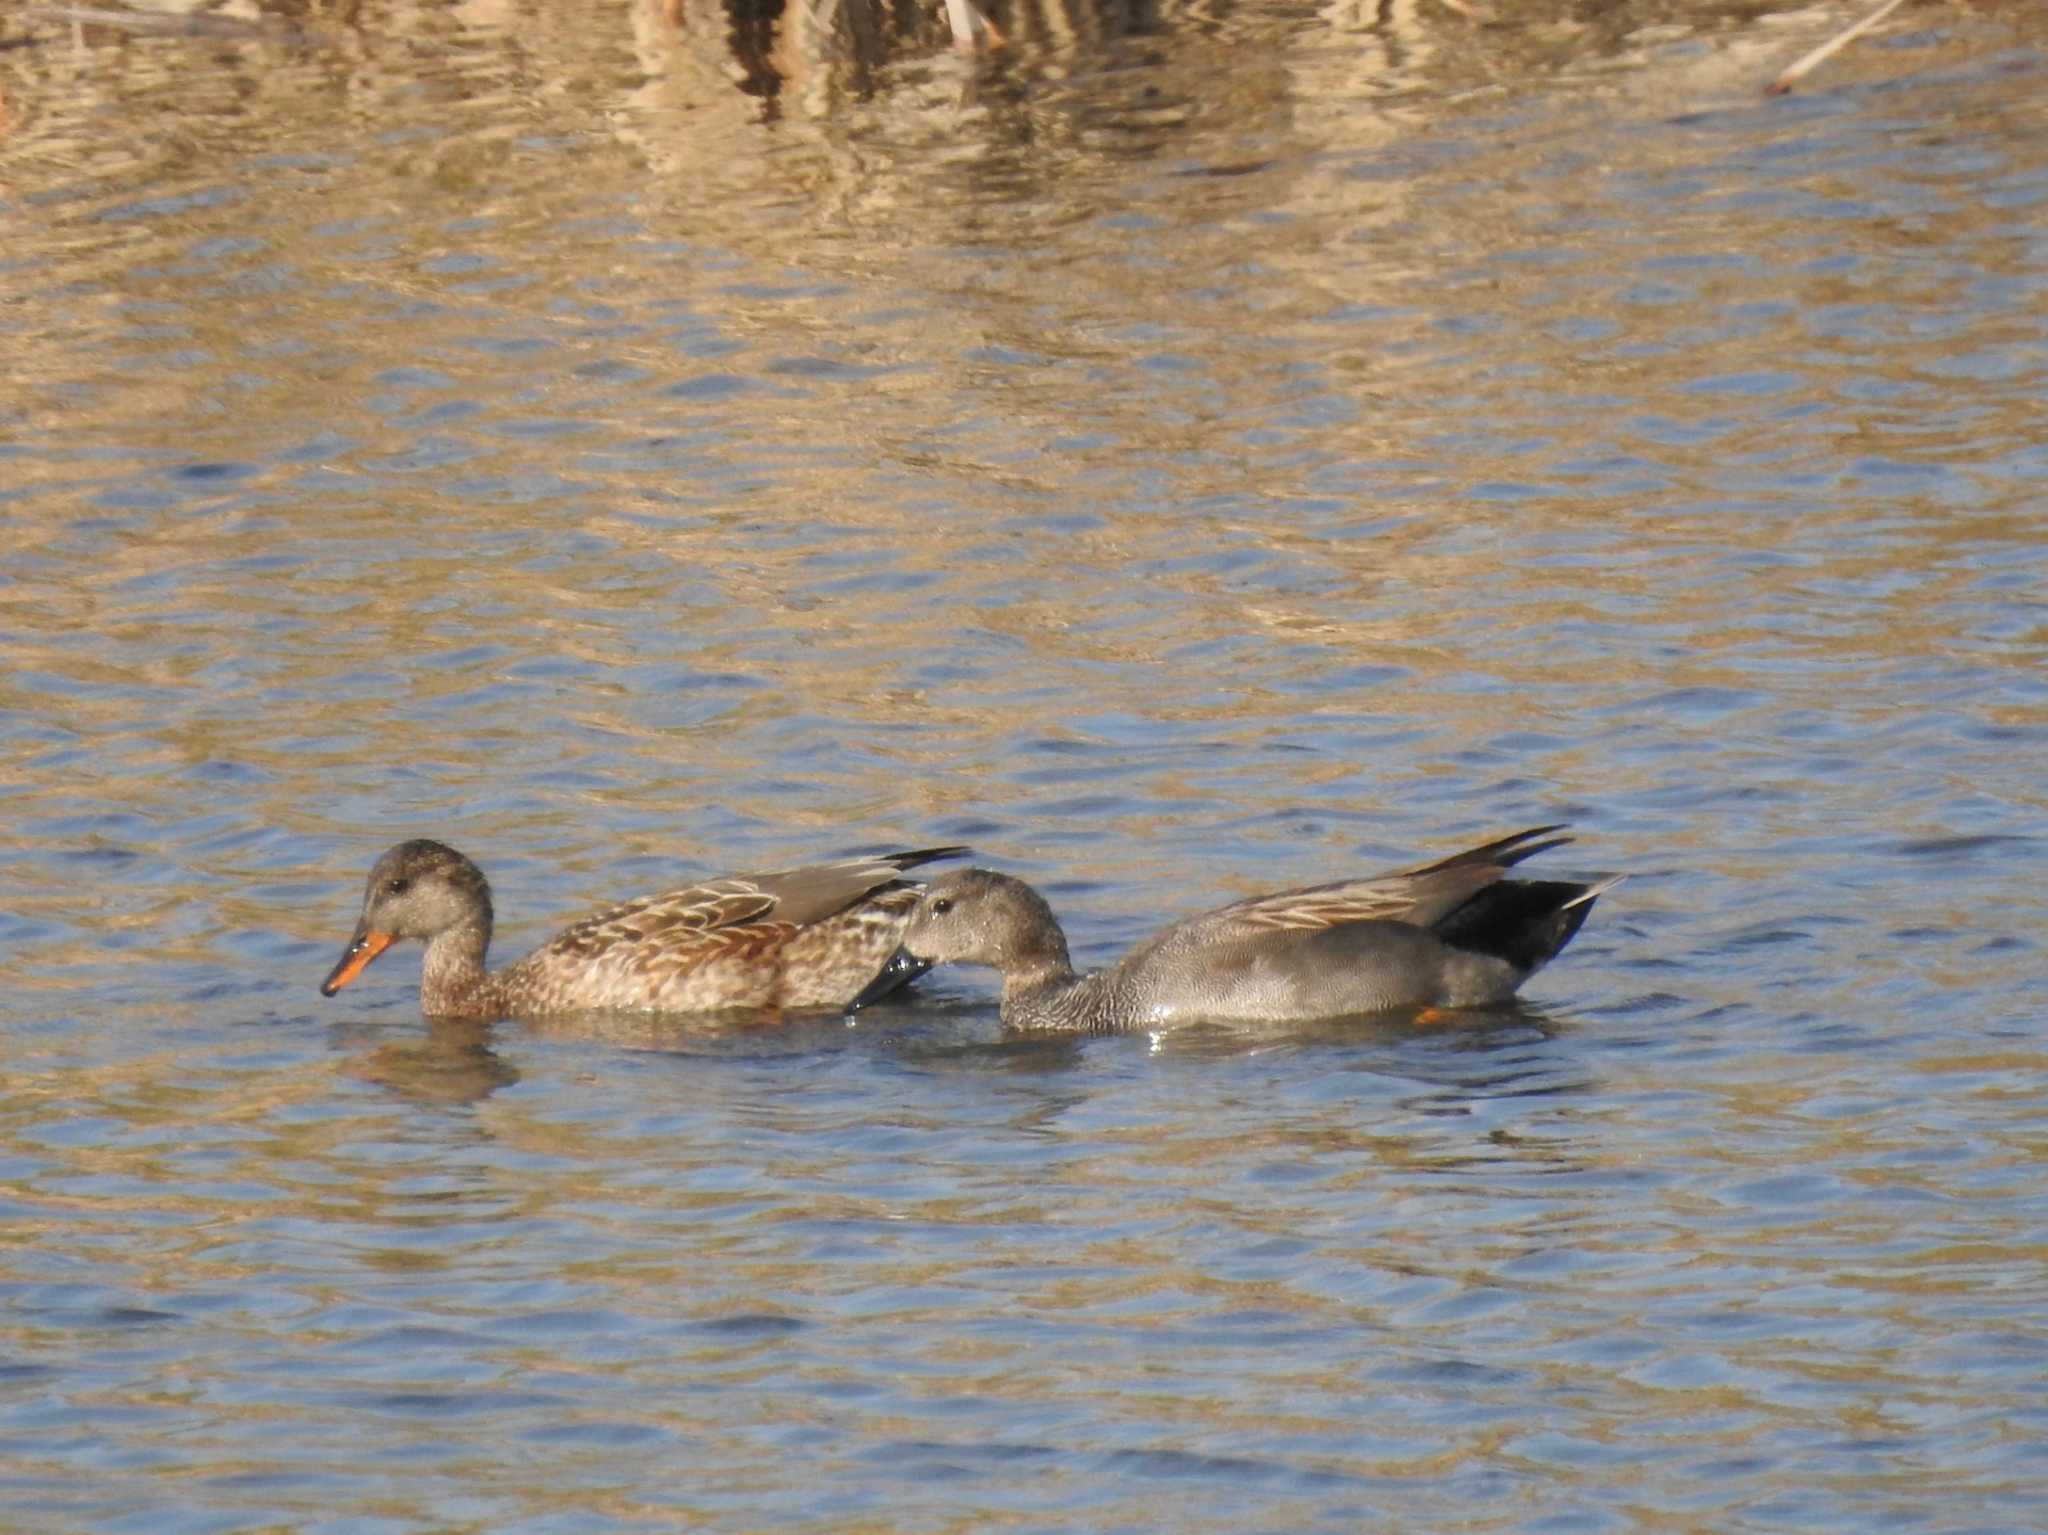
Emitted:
pixel 912 859
pixel 1525 922
pixel 1504 854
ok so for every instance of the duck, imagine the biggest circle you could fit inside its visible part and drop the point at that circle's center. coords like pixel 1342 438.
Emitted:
pixel 792 939
pixel 1453 934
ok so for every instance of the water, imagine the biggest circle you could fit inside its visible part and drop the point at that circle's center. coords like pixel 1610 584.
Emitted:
pixel 1181 462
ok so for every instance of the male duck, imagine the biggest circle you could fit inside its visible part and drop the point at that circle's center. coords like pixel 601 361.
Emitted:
pixel 1457 933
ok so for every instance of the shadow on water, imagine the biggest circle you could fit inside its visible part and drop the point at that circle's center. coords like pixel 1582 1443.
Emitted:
pixel 443 1060
pixel 1434 1063
pixel 1478 1029
pixel 454 1061
pixel 1480 1053
pixel 449 1062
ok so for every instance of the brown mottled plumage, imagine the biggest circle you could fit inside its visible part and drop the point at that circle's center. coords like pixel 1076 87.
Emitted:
pixel 798 938
pixel 1457 933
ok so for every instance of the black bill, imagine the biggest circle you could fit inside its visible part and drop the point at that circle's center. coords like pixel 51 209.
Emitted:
pixel 902 968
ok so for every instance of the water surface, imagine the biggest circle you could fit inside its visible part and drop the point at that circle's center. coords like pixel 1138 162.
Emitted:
pixel 1181 459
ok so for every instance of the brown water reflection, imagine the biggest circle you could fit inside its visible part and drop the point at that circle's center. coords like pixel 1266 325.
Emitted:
pixel 1181 459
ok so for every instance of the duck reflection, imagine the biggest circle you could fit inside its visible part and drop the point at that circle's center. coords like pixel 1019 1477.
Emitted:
pixel 453 1063
pixel 1476 1037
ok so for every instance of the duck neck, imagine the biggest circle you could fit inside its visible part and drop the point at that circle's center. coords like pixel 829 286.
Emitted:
pixel 452 979
pixel 1046 975
pixel 1033 981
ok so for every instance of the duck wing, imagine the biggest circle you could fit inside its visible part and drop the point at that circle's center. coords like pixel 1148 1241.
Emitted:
pixel 817 891
pixel 784 901
pixel 1421 897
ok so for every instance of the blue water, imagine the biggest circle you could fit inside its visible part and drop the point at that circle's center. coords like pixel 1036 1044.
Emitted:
pixel 1265 447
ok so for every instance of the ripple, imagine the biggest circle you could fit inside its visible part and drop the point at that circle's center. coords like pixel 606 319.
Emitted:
pixel 1177 494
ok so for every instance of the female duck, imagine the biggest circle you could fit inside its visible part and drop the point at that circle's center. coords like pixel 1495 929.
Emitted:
pixel 1453 934
pixel 798 938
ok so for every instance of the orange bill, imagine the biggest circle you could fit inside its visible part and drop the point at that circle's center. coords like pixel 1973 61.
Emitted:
pixel 362 948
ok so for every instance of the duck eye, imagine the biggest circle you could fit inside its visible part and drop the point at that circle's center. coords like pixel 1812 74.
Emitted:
pixel 399 886
pixel 941 905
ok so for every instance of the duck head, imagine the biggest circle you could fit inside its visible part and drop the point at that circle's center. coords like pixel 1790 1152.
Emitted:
pixel 419 889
